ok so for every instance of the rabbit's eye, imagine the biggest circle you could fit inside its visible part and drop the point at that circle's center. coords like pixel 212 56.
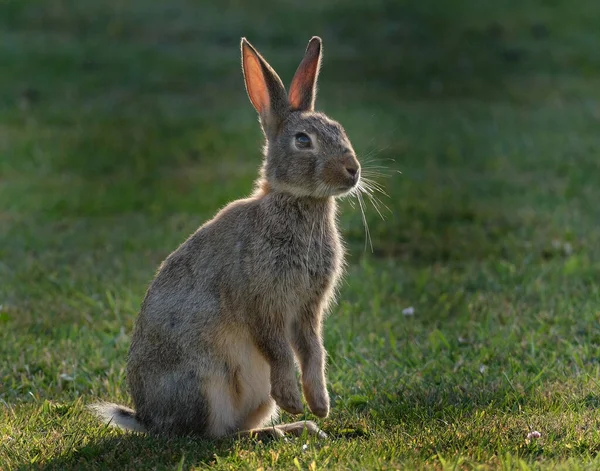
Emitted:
pixel 303 141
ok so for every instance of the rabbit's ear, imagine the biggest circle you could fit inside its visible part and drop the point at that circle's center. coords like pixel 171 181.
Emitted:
pixel 264 87
pixel 303 90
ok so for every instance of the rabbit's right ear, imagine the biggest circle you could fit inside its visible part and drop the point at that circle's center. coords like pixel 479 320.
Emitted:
pixel 265 89
pixel 303 89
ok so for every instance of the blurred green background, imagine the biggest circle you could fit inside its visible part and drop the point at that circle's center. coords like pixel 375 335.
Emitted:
pixel 124 125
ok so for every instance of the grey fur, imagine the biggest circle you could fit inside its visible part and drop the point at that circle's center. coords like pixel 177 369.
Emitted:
pixel 214 347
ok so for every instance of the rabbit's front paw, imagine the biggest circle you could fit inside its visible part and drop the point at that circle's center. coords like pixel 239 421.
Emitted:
pixel 287 397
pixel 318 400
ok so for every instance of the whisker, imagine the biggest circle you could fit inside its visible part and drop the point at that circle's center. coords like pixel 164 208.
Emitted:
pixel 375 150
pixel 373 168
pixel 369 188
pixel 350 199
pixel 375 174
pixel 378 204
pixel 364 218
pixel 369 158
pixel 371 153
pixel 387 208
pixel 310 239
pixel 322 235
pixel 371 191
pixel 369 164
pixel 370 181
pixel 378 169
pixel 366 189
pixel 373 187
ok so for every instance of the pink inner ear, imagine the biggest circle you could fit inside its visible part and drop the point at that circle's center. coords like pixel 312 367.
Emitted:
pixel 255 82
pixel 303 82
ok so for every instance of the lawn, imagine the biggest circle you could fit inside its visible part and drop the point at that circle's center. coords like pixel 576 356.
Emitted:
pixel 124 125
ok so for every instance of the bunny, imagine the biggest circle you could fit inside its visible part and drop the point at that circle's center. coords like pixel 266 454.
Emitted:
pixel 214 347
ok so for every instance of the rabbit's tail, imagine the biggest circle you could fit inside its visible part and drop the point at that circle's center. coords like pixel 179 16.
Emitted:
pixel 117 416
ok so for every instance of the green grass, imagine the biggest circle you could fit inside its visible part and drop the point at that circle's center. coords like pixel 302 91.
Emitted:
pixel 124 125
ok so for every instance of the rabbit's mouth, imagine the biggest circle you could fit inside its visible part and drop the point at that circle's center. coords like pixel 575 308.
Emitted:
pixel 345 189
pixel 342 179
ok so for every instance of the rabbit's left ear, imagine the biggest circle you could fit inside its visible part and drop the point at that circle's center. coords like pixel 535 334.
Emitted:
pixel 303 90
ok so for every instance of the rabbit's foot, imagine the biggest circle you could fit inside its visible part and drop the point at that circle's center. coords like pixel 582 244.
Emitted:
pixel 317 399
pixel 298 428
pixel 287 396
pixel 266 433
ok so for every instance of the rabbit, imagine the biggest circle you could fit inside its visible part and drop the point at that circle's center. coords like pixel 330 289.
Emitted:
pixel 214 349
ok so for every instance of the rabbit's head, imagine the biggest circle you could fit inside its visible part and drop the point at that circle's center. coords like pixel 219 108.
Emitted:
pixel 306 153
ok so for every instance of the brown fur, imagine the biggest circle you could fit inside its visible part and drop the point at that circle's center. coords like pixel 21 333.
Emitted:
pixel 214 347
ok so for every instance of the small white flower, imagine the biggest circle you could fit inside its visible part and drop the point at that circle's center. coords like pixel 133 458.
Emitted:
pixel 66 377
pixel 482 369
pixel 304 447
pixel 533 435
pixel 409 311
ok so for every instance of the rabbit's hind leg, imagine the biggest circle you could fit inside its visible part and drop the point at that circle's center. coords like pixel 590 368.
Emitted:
pixel 171 403
pixel 223 412
pixel 263 416
pixel 265 413
pixel 272 433
pixel 279 431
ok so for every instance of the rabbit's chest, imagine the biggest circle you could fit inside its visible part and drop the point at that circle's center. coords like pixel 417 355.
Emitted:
pixel 302 269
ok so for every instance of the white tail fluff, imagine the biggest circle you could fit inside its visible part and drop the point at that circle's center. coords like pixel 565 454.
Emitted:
pixel 117 416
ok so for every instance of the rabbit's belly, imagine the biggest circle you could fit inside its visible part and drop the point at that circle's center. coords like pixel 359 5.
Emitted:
pixel 243 389
pixel 249 373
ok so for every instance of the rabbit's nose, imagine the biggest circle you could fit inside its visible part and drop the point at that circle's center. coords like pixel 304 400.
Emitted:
pixel 352 168
pixel 352 171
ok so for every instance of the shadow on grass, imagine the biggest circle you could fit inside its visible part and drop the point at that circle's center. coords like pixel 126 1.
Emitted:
pixel 414 409
pixel 141 452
